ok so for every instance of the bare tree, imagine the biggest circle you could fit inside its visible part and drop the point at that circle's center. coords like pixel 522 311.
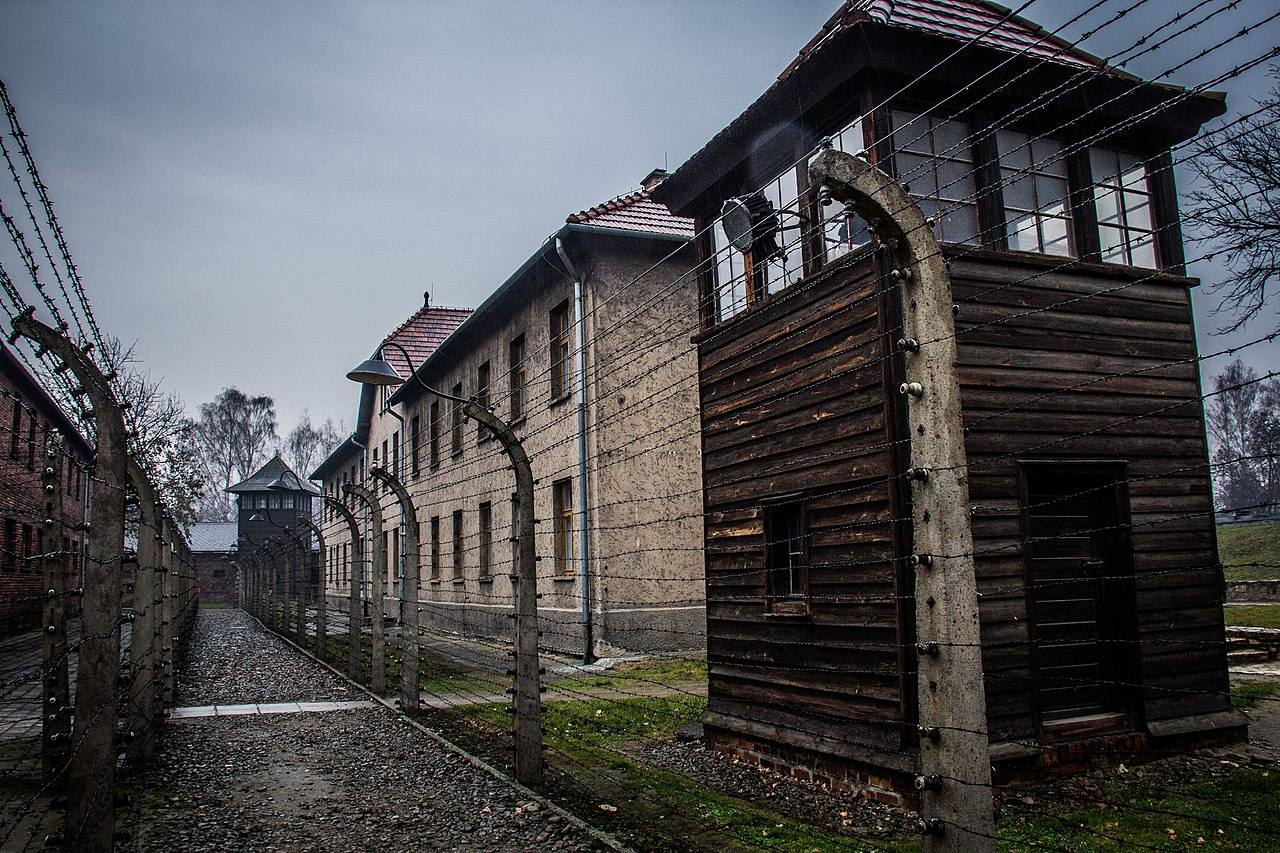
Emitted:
pixel 234 434
pixel 1237 208
pixel 1243 416
pixel 306 444
pixel 162 437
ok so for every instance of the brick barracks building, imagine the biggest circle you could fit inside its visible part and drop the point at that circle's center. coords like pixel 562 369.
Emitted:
pixel 27 414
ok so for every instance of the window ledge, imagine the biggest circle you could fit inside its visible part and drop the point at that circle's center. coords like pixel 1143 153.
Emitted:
pixel 564 578
pixel 457 581
pixel 563 398
pixel 486 579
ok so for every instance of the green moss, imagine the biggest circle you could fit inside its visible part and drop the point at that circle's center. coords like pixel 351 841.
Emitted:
pixel 1253 615
pixel 1241 545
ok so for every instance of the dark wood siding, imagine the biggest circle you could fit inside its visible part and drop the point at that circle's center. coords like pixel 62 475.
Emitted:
pixel 1092 365
pixel 793 400
pixel 1039 353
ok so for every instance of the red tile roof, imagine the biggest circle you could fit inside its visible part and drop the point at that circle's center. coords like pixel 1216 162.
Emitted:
pixel 634 211
pixel 421 334
pixel 987 24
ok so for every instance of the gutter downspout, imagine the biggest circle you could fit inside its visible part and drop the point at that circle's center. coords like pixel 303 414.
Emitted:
pixel 364 587
pixel 584 538
pixel 399 475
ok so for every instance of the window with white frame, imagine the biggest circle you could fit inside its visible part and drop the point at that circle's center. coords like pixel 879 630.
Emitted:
pixel 1033 181
pixel 934 158
pixel 1122 199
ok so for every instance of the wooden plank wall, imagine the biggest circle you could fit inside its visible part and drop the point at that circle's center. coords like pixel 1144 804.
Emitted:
pixel 793 400
pixel 1085 325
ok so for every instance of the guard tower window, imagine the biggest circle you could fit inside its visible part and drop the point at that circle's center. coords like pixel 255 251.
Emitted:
pixel 1123 202
pixel 934 158
pixel 1033 180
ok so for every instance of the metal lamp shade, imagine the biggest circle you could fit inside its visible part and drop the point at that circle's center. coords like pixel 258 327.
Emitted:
pixel 375 371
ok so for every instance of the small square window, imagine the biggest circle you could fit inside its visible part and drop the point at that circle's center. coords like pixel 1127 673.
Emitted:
pixel 786 555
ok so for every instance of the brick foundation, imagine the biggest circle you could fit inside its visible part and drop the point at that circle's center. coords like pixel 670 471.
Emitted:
pixel 872 783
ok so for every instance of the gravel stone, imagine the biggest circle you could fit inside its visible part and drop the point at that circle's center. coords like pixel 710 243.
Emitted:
pixel 233 660
pixel 357 779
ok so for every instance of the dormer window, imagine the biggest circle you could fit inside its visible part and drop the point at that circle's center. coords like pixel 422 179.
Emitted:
pixel 934 159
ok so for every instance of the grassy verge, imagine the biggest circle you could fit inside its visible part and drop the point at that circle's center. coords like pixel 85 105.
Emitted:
pixel 1246 695
pixel 1253 615
pixel 1243 544
pixel 1216 815
pixel 654 809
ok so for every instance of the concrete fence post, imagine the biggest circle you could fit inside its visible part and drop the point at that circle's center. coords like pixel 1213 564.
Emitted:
pixel 301 573
pixel 955 765
pixel 322 604
pixel 408 589
pixel 354 621
pixel 528 678
pixel 168 613
pixel 91 777
pixel 143 655
pixel 56 695
pixel 377 659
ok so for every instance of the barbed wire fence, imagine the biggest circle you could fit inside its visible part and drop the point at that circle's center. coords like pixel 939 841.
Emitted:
pixel 85 689
pixel 961 566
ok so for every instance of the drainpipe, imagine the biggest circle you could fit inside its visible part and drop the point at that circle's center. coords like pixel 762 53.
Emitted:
pixel 366 580
pixel 584 537
pixel 399 476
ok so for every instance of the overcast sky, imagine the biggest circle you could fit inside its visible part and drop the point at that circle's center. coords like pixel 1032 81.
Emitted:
pixel 258 192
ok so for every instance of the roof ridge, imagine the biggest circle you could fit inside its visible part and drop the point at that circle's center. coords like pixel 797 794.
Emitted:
pixel 616 203
pixel 416 314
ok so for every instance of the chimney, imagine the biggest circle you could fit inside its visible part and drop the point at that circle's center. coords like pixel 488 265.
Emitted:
pixel 654 178
pixel 426 299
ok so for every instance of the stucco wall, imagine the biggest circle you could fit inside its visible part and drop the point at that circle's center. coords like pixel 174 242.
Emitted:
pixel 645 505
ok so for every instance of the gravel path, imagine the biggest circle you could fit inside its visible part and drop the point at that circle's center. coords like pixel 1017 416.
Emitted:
pixel 232 660
pixel 335 781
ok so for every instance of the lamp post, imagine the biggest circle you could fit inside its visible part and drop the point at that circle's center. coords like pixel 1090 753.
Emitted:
pixel 528 708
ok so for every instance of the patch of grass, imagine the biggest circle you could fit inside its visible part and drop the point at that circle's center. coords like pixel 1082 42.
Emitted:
pixel 1249 694
pixel 215 605
pixel 1255 542
pixel 1253 615
pixel 1214 815
pixel 655 806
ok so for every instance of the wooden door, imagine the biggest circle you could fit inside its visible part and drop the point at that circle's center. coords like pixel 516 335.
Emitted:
pixel 1080 597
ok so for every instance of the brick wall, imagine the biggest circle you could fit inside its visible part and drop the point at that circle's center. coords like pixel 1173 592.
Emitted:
pixel 218 578
pixel 26 416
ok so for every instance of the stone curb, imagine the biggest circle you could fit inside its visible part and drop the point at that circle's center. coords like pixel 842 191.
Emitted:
pixel 599 835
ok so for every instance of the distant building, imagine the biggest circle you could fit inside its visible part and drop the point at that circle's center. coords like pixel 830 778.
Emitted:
pixel 622 268
pixel 265 512
pixel 27 414
pixel 212 542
